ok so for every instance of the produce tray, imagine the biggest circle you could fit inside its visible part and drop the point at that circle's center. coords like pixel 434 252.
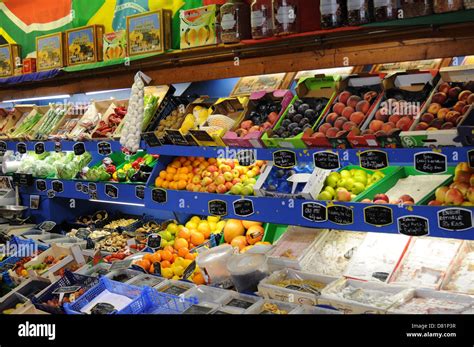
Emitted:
pixel 258 307
pixel 273 232
pixel 11 301
pixel 69 279
pixel 34 110
pixel 110 110
pixel 131 292
pixel 154 302
pixel 9 120
pixel 89 120
pixel 389 181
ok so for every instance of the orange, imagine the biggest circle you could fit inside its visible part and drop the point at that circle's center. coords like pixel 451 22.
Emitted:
pixel 148 257
pixel 176 177
pixel 175 256
pixel 198 279
pixel 169 177
pixel 182 176
pixel 189 256
pixel 151 269
pixel 165 184
pixel 184 233
pixel 171 170
pixel 175 164
pixel 184 170
pixel 204 229
pixel 180 243
pixel 163 174
pixel 187 162
pixel 155 257
pixel 165 264
pixel 182 159
pixel 169 249
pixel 182 184
pixel 145 264
pixel 166 255
pixel 173 185
pixel 197 238
pixel 183 251
pixel 159 182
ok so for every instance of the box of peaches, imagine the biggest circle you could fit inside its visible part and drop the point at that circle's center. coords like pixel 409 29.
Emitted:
pixel 447 110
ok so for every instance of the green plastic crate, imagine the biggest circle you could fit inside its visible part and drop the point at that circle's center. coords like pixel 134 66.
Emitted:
pixel 404 171
pixel 273 232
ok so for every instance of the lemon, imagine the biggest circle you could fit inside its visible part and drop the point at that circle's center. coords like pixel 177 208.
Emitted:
pixel 220 226
pixel 186 262
pixel 191 225
pixel 166 235
pixel 213 226
pixel 178 270
pixel 213 219
pixel 172 228
pixel 164 243
pixel 195 219
pixel 176 278
pixel 167 272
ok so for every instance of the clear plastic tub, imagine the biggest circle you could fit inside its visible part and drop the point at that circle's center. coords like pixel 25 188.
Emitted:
pixel 247 270
pixel 227 310
pixel 213 263
pixel 123 275
pixel 174 287
pixel 239 302
pixel 202 308
pixel 266 306
pixel 94 271
pixel 146 280
pixel 208 294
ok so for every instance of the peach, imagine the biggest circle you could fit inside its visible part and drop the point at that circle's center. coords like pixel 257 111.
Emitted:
pixel 470 194
pixel 459 106
pixel 434 203
pixel 369 96
pixel 340 122
pixel 464 95
pixel 344 96
pixel 439 98
pixel 343 195
pixel 341 133
pixel 453 93
pixel 348 125
pixel 432 129
pixel 331 132
pixel 444 87
pixel 355 131
pixel 451 116
pixel 387 127
pixel 454 197
pixel 470 99
pixel 442 113
pixel 404 124
pixel 381 116
pixel 379 202
pixel 318 134
pixel 247 124
pixel 440 193
pixel 357 117
pixel 394 118
pixel 366 201
pixel 353 100
pixel 376 125
pixel 338 108
pixel 434 108
pixel 367 132
pixel 347 112
pixel 331 118
pixel 324 127
pixel 461 186
pixel 422 126
pixel 447 125
pixel 362 106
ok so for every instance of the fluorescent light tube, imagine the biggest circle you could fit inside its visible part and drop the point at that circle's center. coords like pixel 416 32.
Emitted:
pixel 65 96
pixel 106 91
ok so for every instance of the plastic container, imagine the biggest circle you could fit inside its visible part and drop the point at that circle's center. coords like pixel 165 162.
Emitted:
pixel 247 270
pixel 443 6
pixel 201 308
pixel 208 294
pixel 359 12
pixel 385 10
pixel 11 302
pixel 239 302
pixel 417 8
pixel 94 271
pixel 333 13
pixel 261 19
pixel 174 287
pixel 123 275
pixel 286 17
pixel 213 263
pixel 145 280
pixel 235 21
pixel 469 4
pixel 262 307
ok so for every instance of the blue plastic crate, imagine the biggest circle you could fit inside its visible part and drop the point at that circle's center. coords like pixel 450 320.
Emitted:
pixel 154 302
pixel 131 292
pixel 69 279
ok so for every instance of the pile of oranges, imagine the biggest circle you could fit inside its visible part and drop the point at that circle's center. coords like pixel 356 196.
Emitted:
pixel 177 174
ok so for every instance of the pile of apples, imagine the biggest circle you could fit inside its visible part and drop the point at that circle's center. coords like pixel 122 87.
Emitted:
pixel 448 105
pixel 347 115
pixel 460 192
pixel 405 199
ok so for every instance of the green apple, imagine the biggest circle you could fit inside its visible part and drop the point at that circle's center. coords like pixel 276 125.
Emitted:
pixel 236 189
pixel 331 181
pixel 331 190
pixel 247 190
pixel 335 174
pixel 349 183
pixel 360 172
pixel 345 174
pixel 358 188
pixel 360 179
pixel 353 171
pixel 341 183
pixel 324 195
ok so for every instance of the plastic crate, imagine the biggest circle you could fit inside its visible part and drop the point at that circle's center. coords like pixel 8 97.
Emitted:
pixel 69 279
pixel 154 302
pixel 119 288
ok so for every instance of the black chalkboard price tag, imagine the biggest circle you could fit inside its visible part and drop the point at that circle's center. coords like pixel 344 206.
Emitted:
pixel 41 185
pixel 111 191
pixel 378 215
pixel 151 139
pixel 157 269
pixel 57 147
pixel 85 188
pixel 430 162
pixel 66 290
pixel 104 148
pixel 217 208
pixel 159 195
pixel 92 187
pixel 78 186
pixel 189 270
pixel 340 214
pixel 3 148
pixel 201 135
pixel 373 159
pixel 413 226
pixel 176 138
pixel 326 160
pixel 243 207
pixel 23 179
pixel 246 157
pixel 140 192
pixel 21 147
pixel 314 212
pixel 284 159
pixel 39 147
pixel 470 158
pixel 79 148
pixel 154 241
pixel 51 194
pixel 455 219
pixel 58 186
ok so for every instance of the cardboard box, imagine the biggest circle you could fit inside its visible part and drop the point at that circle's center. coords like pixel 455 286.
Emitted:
pixel 50 52
pixel 88 121
pixel 455 76
pixel 115 45
pixel 233 108
pixel 149 32
pixel 105 115
pixel 29 65
pixel 10 58
pixel 253 139
pixel 84 45
pixel 199 27
pixel 30 111
pixel 8 119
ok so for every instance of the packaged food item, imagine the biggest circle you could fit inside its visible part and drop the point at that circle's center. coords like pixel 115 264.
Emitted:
pixel 199 26
pixel 333 13
pixel 235 21
pixel 417 8
pixel 84 44
pixel 9 59
pixel 442 6
pixel 286 18
pixel 115 45
pixel 385 10
pixel 261 18
pixel 469 4
pixel 50 52
pixel 359 12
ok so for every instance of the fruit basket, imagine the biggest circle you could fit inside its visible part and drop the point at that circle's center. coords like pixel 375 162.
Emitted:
pixel 264 109
pixel 107 297
pixel 405 179
pixel 404 98
pixel 226 114
pixel 347 113
pixel 314 94
pixel 445 110
pixel 49 302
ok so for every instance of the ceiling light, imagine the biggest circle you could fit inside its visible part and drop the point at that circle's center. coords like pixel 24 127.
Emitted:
pixel 65 96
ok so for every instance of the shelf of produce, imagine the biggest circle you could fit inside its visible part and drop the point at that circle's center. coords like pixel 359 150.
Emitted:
pixel 360 46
